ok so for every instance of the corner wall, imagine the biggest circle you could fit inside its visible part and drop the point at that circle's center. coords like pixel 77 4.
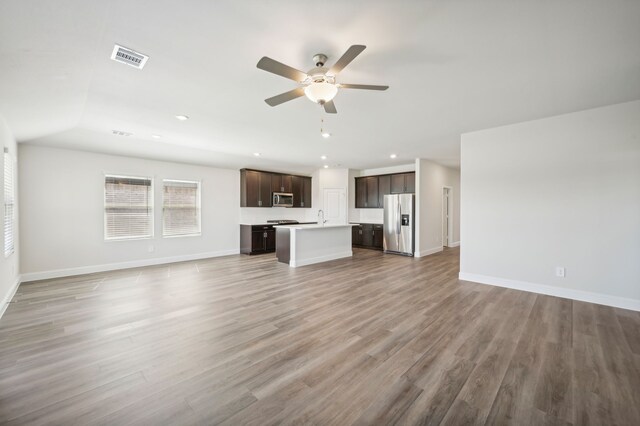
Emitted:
pixel 563 192
pixel 431 178
pixel 62 214
pixel 9 266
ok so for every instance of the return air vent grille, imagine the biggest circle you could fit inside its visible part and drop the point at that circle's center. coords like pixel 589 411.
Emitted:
pixel 121 133
pixel 129 57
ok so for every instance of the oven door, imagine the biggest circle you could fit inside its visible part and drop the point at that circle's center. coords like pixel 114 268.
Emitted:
pixel 282 199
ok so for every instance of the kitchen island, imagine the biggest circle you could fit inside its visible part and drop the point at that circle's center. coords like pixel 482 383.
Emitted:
pixel 299 245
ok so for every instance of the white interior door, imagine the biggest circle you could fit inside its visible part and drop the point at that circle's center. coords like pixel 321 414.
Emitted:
pixel 335 206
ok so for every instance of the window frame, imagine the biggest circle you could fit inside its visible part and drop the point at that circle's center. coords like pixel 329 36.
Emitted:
pixel 198 206
pixel 152 206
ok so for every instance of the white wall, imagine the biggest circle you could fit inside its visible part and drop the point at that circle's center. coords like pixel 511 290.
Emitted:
pixel 9 266
pixel 62 200
pixel 431 178
pixel 561 191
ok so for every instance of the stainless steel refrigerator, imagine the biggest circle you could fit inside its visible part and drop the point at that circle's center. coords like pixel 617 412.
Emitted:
pixel 399 221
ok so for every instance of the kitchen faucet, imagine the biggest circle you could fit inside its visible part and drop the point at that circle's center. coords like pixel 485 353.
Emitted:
pixel 321 213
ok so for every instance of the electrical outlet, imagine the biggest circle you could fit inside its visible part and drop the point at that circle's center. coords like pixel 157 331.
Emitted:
pixel 560 272
pixel 151 248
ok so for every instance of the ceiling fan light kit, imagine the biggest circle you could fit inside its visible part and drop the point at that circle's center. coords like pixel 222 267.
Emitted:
pixel 319 83
pixel 321 92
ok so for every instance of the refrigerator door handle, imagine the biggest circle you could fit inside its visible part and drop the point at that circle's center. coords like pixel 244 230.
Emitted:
pixel 399 223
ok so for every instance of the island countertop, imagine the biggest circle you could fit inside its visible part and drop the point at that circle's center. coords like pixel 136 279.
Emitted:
pixel 299 245
pixel 316 226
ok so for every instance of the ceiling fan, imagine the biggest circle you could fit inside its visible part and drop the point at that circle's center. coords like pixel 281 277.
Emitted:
pixel 319 83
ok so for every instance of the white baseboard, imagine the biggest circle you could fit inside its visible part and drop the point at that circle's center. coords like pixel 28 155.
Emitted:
pixel 7 297
pixel 427 252
pixel 57 273
pixel 319 259
pixel 454 244
pixel 583 296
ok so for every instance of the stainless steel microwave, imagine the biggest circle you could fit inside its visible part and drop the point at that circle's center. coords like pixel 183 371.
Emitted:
pixel 282 199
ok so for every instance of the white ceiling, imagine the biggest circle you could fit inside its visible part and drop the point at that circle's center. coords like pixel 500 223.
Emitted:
pixel 452 67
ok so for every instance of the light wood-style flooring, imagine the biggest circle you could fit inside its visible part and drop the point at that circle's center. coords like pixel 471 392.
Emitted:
pixel 375 339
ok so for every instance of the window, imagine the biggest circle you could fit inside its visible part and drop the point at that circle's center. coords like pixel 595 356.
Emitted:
pixel 180 208
pixel 128 207
pixel 9 204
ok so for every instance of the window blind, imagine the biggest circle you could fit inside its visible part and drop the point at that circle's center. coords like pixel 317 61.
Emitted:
pixel 180 208
pixel 9 204
pixel 128 207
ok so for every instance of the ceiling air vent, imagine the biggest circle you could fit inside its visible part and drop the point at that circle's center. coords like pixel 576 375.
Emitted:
pixel 129 57
pixel 121 133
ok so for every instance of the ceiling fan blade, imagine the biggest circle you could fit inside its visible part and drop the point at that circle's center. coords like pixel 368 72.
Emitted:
pixel 284 97
pixel 330 108
pixel 362 86
pixel 348 56
pixel 273 66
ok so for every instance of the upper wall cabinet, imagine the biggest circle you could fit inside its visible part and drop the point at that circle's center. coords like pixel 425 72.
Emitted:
pixel 257 188
pixel 281 183
pixel 370 190
pixel 403 183
pixel 301 189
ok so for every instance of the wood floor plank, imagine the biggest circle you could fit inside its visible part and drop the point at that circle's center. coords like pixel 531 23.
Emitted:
pixel 372 339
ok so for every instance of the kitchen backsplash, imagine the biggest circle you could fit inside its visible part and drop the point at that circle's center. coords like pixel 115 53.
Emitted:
pixel 371 215
pixel 251 215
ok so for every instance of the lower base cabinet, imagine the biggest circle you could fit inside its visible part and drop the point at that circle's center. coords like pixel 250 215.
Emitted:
pixel 367 235
pixel 257 239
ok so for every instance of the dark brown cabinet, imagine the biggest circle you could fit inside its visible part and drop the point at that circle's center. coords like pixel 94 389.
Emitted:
pixel 361 193
pixel 356 235
pixel 367 192
pixel 367 235
pixel 306 192
pixel 301 189
pixel 370 190
pixel 384 188
pixel 256 239
pixel 257 188
pixel 377 236
pixel 403 183
pixel 281 183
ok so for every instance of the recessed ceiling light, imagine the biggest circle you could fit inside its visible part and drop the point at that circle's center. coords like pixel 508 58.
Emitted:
pixel 326 166
pixel 257 154
pixel 324 157
pixel 182 117
pixel 326 135
pixel 392 156
pixel 156 136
